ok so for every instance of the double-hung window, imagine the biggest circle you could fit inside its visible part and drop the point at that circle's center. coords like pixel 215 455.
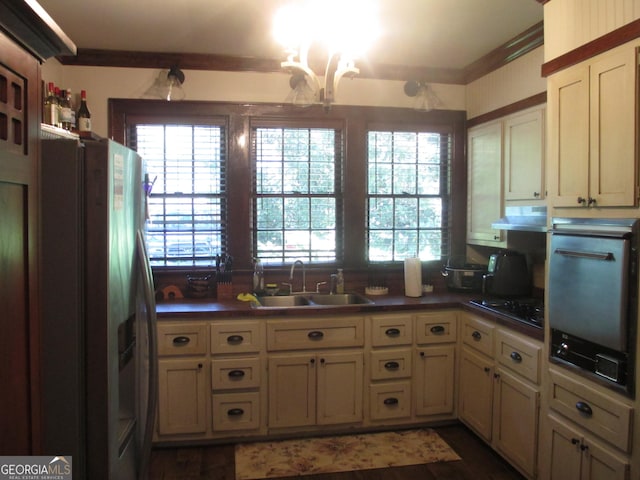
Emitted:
pixel 297 201
pixel 186 164
pixel 408 198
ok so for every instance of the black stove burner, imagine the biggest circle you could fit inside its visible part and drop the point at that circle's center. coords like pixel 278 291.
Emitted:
pixel 528 310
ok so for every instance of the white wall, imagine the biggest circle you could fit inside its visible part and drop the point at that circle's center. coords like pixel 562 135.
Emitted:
pixel 102 83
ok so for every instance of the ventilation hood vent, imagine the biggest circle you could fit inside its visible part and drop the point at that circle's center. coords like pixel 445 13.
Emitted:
pixel 523 218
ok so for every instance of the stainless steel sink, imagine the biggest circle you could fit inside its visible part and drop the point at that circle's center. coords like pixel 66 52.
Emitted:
pixel 283 301
pixel 312 299
pixel 339 299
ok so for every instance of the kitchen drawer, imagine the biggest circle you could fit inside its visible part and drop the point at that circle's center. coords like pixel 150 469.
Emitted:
pixel 390 364
pixel 478 334
pixel 436 327
pixel 390 400
pixel 390 330
pixel 519 354
pixel 182 338
pixel 234 373
pixel 298 334
pixel 609 419
pixel 241 336
pixel 236 411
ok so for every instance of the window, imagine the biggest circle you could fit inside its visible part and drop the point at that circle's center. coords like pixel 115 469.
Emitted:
pixel 297 202
pixel 408 195
pixel 186 207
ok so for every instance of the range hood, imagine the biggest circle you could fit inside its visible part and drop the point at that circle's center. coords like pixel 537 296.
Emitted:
pixel 523 218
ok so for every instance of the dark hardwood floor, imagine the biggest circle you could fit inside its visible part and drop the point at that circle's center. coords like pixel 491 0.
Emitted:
pixel 479 462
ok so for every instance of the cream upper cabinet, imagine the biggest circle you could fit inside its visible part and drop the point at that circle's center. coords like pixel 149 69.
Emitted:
pixel 591 124
pixel 524 156
pixel 484 188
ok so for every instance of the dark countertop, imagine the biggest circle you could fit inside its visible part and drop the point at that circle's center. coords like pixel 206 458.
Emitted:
pixel 211 309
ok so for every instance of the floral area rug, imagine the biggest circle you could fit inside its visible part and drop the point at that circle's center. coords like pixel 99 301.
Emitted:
pixel 342 453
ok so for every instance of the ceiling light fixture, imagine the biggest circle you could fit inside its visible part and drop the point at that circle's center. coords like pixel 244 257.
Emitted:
pixel 345 28
pixel 425 98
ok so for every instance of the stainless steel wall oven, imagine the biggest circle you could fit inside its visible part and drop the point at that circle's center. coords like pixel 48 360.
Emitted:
pixel 592 297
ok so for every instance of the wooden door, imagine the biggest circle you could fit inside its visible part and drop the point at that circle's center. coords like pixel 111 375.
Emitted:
pixel 292 390
pixel 434 378
pixel 19 342
pixel 475 407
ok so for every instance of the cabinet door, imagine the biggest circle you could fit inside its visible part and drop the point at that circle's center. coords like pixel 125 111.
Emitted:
pixel 292 390
pixel 340 378
pixel 570 455
pixel 568 127
pixel 484 204
pixel 515 416
pixel 182 396
pixel 524 156
pixel 434 378
pixel 476 392
pixel 613 126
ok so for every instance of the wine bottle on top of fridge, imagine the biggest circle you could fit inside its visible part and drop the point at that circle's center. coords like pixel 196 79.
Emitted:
pixel 83 117
pixel 51 107
pixel 66 111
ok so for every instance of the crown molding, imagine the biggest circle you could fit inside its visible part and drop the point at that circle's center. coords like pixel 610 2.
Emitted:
pixel 513 49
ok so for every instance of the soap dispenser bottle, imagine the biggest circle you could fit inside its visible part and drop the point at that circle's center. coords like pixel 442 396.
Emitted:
pixel 340 282
pixel 258 276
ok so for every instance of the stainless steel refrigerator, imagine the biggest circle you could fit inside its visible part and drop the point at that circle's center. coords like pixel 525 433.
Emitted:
pixel 99 374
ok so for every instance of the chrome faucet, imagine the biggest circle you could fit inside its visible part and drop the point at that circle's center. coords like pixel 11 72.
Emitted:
pixel 304 276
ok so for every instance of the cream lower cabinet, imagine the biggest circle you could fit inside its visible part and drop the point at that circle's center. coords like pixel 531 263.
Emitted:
pixel 183 381
pixel 499 376
pixel 434 363
pixel 587 433
pixel 316 374
pixel 315 389
pixel 237 375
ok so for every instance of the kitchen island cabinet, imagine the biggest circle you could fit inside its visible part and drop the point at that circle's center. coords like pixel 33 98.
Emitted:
pixel 592 123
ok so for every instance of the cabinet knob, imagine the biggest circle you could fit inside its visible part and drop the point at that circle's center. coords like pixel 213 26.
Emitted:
pixel 235 412
pixel 487 369
pixel 315 335
pixel 584 408
pixel 536 194
pixel 496 237
pixel 236 374
pixel 575 441
pixel 392 332
pixel 181 341
pixel 437 329
pixel 516 357
pixel 582 200
pixel 591 201
pixel 392 365
pixel 235 339
pixel 391 401
pixel 477 336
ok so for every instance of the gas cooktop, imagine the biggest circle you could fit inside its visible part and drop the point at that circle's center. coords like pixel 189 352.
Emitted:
pixel 527 310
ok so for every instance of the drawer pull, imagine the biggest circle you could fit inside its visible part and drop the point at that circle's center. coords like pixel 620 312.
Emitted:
pixel 516 357
pixel 392 332
pixel 236 374
pixel 477 336
pixel 235 339
pixel 437 329
pixel 392 365
pixel 391 401
pixel 584 408
pixel 235 412
pixel 181 341
pixel 315 335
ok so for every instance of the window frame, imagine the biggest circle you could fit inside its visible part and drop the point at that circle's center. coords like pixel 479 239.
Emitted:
pixel 338 192
pixel 355 119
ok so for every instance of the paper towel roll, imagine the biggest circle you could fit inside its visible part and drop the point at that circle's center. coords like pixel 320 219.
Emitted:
pixel 412 277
